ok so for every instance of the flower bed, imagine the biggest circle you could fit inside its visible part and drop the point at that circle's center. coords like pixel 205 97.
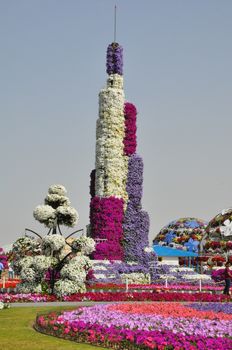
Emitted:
pixel 164 326
pixel 9 284
pixel 119 296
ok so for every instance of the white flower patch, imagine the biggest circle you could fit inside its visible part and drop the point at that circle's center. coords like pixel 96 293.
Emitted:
pixel 135 278
pixel 197 277
pixel 73 273
pixel 188 269
pixel 102 262
pixel 41 263
pixel 169 277
pixel 67 287
pixel 52 198
pixel 25 262
pixel 148 250
pixel 225 211
pixel 28 274
pixel 175 269
pixel 111 165
pixel 45 214
pixel 115 81
pixel 29 287
pixel 99 276
pixel 205 277
pixel 82 262
pixel 85 245
pixel 101 268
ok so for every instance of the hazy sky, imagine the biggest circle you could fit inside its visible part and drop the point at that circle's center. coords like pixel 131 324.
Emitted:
pixel 178 73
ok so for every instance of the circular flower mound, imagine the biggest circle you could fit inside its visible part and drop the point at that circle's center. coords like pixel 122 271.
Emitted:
pixel 143 326
pixel 179 232
pixel 219 232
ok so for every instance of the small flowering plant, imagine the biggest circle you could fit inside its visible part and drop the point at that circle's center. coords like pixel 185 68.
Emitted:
pixel 4 305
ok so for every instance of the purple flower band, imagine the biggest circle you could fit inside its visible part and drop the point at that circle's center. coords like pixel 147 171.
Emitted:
pixel 114 59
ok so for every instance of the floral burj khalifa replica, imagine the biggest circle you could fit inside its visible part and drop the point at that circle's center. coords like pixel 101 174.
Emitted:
pixel 117 222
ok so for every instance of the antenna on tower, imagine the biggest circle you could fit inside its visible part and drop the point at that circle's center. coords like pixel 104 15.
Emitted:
pixel 115 22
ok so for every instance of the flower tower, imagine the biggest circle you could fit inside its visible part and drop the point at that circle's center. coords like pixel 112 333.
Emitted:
pixel 118 224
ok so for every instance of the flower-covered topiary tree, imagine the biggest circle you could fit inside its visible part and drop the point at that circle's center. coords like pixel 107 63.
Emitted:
pixel 56 210
pixel 62 266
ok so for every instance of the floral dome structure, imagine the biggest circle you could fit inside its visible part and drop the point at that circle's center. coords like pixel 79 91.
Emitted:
pixel 219 234
pixel 184 232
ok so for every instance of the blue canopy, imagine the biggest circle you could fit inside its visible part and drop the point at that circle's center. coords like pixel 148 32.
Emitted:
pixel 168 251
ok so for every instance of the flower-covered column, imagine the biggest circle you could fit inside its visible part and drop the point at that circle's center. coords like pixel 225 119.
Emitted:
pixel 110 195
pixel 118 224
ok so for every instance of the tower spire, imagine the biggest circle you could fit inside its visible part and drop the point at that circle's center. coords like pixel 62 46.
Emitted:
pixel 115 22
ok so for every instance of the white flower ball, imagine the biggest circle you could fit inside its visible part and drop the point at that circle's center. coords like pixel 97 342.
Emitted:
pixel 45 214
pixel 67 216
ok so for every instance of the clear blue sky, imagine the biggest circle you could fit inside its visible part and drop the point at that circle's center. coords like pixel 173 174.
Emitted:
pixel 178 72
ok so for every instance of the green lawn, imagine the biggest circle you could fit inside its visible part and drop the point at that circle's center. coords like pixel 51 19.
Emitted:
pixel 16 331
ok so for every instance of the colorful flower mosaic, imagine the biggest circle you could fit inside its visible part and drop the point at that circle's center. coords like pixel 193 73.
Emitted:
pixel 143 326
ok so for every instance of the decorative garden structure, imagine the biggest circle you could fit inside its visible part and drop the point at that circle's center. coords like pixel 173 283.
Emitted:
pixel 117 222
pixel 218 240
pixel 53 263
pixel 184 232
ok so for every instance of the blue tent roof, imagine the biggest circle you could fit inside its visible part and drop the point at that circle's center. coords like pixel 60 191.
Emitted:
pixel 167 251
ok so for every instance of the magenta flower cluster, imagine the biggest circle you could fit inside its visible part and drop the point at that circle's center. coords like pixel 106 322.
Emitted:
pixel 119 296
pixel 106 216
pixel 114 59
pixel 129 141
pixel 218 275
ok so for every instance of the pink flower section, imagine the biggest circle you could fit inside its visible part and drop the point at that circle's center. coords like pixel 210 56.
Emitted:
pixel 129 141
pixel 106 216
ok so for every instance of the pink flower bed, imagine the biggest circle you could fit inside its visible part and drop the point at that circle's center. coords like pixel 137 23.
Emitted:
pixel 119 296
